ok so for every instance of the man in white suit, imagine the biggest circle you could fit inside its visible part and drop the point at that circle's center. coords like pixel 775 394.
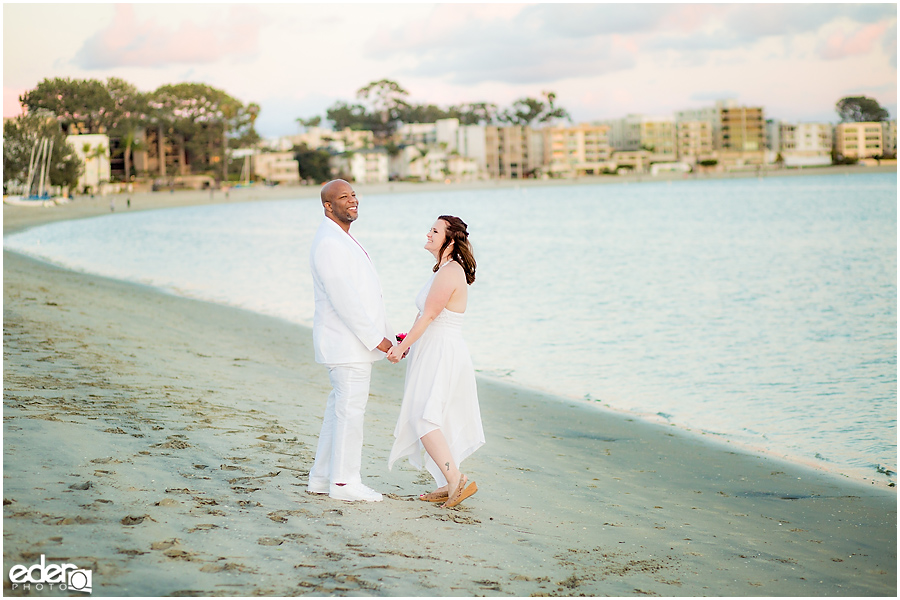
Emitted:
pixel 350 332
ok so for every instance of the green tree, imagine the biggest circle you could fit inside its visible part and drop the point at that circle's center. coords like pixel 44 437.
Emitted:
pixel 388 100
pixel 203 121
pixel 311 122
pixel 21 134
pixel 78 102
pixel 313 163
pixel 130 114
pixel 354 116
pixel 477 113
pixel 857 109
pixel 526 111
pixel 423 113
pixel 552 112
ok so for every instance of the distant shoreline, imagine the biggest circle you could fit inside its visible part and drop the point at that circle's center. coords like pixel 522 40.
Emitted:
pixel 16 218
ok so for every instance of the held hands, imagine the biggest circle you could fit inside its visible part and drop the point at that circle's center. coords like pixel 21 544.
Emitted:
pixel 394 355
pixel 385 345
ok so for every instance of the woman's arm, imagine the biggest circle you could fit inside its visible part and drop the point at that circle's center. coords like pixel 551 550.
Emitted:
pixel 445 284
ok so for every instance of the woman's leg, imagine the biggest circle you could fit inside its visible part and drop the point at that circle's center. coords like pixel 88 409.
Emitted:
pixel 437 448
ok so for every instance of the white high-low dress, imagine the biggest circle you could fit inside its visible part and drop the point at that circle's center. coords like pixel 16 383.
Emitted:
pixel 439 393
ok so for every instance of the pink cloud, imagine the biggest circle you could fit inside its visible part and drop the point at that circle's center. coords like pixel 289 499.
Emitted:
pixel 128 42
pixel 838 45
pixel 11 106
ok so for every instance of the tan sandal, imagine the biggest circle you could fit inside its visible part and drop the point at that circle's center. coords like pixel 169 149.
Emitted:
pixel 435 496
pixel 461 493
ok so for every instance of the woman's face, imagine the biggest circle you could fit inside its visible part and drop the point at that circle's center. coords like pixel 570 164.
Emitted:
pixel 436 236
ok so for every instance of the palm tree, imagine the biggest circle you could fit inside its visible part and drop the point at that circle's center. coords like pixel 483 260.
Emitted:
pixel 92 153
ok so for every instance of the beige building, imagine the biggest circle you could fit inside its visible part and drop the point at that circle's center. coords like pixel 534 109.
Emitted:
pixel 859 140
pixel 277 167
pixel 694 140
pixel 575 151
pixel 510 152
pixel 640 132
pixel 658 136
pixel 632 160
pixel 742 129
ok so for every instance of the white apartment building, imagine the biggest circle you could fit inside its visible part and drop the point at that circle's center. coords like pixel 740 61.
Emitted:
pixel 445 133
pixel 805 144
pixel 889 135
pixel 277 167
pixel 424 134
pixel 471 142
pixel 859 140
pixel 336 141
pixel 93 150
pixel 362 166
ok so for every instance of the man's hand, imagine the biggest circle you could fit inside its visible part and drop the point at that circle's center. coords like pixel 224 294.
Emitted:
pixel 385 345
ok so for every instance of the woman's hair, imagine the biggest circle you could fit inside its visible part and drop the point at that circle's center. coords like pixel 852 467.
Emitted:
pixel 462 250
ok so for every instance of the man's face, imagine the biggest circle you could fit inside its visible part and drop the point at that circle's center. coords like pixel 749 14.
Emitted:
pixel 344 205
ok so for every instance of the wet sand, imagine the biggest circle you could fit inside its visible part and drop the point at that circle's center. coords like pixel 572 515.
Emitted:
pixel 164 443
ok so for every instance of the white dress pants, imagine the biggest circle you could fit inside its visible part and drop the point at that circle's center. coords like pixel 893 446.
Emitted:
pixel 339 453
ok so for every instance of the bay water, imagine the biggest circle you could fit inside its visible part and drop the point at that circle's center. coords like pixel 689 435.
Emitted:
pixel 761 312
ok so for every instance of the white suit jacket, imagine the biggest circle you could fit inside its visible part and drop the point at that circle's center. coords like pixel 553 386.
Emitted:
pixel 350 319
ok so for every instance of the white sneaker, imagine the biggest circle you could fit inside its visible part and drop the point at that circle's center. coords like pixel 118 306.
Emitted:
pixel 353 492
pixel 317 486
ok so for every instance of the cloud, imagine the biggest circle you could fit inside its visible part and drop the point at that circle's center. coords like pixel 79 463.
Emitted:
pixel 890 44
pixel 713 96
pixel 128 42
pixel 839 45
pixel 525 47
pixel 552 42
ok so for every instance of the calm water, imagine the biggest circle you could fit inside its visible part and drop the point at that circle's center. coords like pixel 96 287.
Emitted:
pixel 763 311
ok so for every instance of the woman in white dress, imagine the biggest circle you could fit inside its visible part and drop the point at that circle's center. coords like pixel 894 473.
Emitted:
pixel 440 422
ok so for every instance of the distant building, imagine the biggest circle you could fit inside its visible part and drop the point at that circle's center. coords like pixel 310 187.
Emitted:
pixel 93 150
pixel 805 144
pixel 859 140
pixel 337 141
pixel 575 151
pixel 277 167
pixel 632 160
pixel 640 132
pixel 889 135
pixel 742 129
pixel 693 140
pixel 510 152
pixel 422 134
pixel 362 166
pixel 471 142
pixel 707 114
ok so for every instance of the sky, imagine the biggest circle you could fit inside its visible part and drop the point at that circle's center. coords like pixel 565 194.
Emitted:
pixel 603 61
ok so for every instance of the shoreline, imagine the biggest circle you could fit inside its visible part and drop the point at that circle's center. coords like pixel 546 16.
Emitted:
pixel 17 218
pixel 147 432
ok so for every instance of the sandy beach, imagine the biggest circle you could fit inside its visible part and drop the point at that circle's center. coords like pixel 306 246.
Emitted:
pixel 164 444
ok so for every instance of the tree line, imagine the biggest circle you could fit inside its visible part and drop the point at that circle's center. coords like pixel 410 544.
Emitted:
pixel 382 106
pixel 200 123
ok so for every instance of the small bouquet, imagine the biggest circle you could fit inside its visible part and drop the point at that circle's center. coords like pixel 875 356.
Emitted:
pixel 401 337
